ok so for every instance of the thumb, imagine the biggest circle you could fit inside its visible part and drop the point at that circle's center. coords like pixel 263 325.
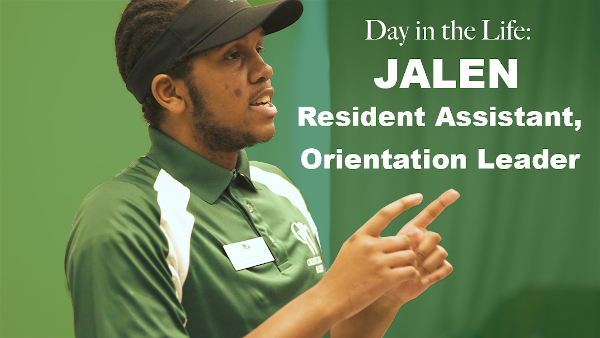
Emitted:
pixel 413 233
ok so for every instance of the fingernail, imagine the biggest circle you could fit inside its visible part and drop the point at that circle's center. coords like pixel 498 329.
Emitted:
pixel 416 196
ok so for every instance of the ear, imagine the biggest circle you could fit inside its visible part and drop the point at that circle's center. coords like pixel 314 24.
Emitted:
pixel 170 93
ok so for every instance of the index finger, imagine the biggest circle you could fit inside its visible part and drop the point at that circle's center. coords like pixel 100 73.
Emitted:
pixel 383 217
pixel 425 217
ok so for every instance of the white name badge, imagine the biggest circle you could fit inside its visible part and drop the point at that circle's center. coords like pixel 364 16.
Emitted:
pixel 249 253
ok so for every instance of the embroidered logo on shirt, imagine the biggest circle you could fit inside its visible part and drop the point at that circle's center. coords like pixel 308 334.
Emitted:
pixel 314 261
pixel 302 232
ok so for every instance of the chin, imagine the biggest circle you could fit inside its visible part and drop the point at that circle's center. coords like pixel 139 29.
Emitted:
pixel 266 133
pixel 265 138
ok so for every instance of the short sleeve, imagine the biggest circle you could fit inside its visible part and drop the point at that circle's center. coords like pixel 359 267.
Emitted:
pixel 116 267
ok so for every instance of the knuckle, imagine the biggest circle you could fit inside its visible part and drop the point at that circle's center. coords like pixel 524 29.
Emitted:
pixel 377 264
pixel 352 238
pixel 432 212
pixel 404 240
pixel 411 258
pixel 385 213
pixel 411 255
pixel 402 203
pixel 368 245
pixel 412 272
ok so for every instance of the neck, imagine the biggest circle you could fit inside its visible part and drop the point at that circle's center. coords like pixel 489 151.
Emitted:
pixel 225 159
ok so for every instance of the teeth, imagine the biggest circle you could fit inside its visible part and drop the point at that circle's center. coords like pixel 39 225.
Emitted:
pixel 263 99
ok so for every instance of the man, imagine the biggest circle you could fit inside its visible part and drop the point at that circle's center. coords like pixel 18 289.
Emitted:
pixel 194 240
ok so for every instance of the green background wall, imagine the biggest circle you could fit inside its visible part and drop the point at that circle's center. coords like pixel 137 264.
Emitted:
pixel 525 244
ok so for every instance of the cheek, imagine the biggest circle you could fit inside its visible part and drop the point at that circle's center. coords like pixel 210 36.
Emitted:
pixel 238 92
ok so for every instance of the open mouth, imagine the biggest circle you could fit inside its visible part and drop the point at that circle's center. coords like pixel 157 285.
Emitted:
pixel 263 101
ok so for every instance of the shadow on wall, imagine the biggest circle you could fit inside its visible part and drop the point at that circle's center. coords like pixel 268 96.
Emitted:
pixel 550 313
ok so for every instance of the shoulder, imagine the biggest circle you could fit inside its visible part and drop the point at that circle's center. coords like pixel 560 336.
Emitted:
pixel 123 207
pixel 133 186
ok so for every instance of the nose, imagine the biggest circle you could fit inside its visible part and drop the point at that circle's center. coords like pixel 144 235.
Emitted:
pixel 260 71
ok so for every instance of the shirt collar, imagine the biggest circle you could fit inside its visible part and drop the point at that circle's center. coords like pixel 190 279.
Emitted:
pixel 204 178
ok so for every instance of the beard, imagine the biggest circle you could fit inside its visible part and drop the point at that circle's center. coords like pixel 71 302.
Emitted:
pixel 210 132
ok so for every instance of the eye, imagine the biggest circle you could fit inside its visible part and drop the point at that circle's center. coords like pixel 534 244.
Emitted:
pixel 260 49
pixel 232 55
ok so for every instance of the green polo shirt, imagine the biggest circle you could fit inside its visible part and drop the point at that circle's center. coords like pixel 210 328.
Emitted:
pixel 146 254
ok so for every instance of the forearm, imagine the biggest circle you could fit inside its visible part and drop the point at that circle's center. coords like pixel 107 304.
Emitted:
pixel 373 321
pixel 311 314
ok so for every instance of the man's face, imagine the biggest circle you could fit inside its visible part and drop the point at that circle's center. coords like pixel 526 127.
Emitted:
pixel 231 94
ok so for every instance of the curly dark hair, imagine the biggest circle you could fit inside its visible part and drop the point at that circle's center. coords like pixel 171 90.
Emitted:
pixel 142 22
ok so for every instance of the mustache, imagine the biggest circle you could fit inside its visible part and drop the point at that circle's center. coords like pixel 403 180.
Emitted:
pixel 255 95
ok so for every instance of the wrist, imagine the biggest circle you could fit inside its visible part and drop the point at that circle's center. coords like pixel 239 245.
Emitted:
pixel 333 307
pixel 389 302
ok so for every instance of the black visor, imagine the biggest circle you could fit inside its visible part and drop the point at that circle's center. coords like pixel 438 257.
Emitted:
pixel 204 24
